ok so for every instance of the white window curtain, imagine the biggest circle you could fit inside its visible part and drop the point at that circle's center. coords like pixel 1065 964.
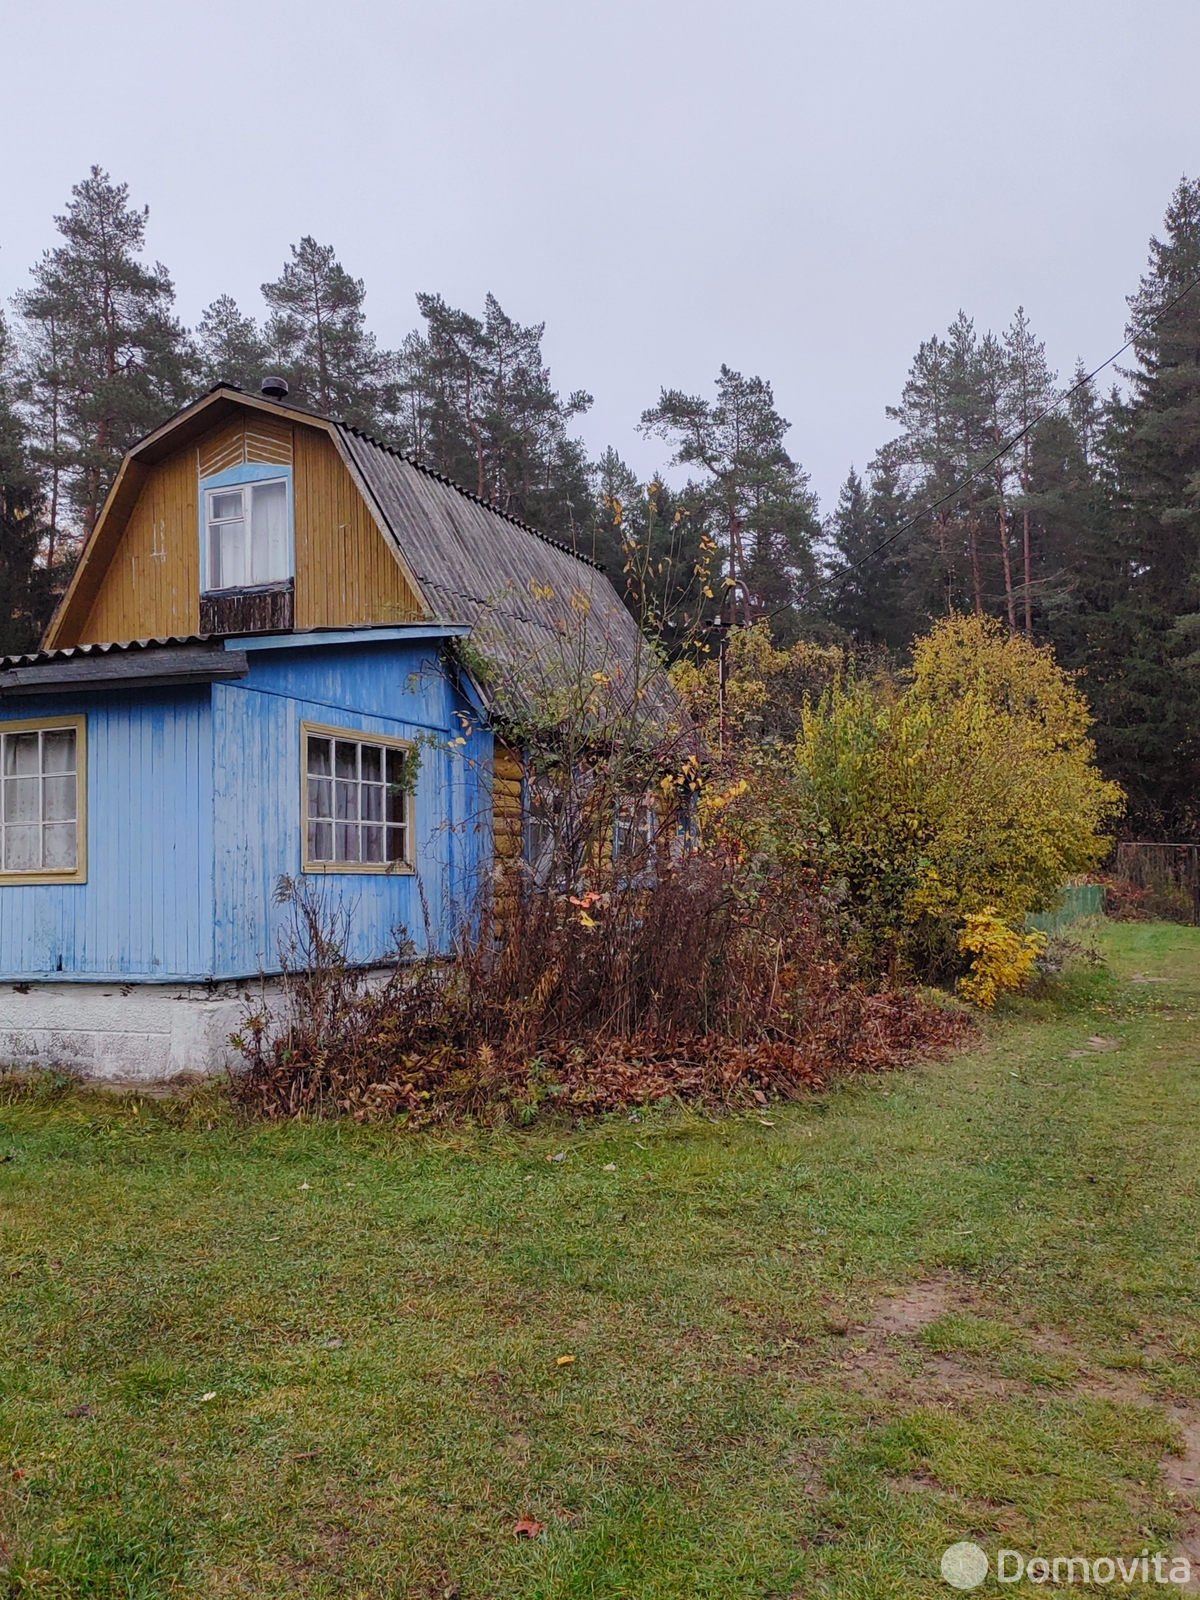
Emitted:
pixel 38 801
pixel 248 535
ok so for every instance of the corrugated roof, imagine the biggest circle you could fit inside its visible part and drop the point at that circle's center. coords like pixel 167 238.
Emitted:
pixel 547 616
pixel 42 657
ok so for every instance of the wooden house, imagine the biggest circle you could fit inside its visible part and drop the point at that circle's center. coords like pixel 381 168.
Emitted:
pixel 260 671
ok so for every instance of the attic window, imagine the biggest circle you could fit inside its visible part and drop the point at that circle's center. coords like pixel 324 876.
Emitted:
pixel 246 534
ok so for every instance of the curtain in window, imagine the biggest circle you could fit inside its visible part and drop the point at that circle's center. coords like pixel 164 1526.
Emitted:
pixel 268 533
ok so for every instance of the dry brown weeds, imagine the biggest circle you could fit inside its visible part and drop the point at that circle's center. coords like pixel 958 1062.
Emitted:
pixel 685 990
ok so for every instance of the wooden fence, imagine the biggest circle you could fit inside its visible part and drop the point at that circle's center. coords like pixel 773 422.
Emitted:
pixel 1169 872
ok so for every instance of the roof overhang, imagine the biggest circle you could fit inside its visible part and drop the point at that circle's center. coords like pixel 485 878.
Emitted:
pixel 147 665
pixel 318 638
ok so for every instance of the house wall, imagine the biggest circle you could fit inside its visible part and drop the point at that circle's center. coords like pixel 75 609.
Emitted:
pixel 152 588
pixel 146 909
pixel 346 571
pixel 395 689
pixel 193 816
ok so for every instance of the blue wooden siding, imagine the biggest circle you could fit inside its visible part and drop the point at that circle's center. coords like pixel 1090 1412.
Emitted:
pixel 194 816
pixel 398 689
pixel 146 908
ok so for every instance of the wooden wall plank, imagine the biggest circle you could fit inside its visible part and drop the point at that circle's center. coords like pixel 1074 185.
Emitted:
pixel 346 572
pixel 147 906
pixel 508 821
pixel 223 448
pixel 152 586
pixel 268 440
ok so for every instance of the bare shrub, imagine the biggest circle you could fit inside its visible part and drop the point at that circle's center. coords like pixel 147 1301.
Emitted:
pixel 685 986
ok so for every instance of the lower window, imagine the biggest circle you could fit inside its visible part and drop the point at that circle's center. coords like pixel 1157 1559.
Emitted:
pixel 357 802
pixel 41 800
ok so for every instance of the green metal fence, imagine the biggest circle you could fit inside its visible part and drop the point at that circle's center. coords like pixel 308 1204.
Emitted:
pixel 1075 901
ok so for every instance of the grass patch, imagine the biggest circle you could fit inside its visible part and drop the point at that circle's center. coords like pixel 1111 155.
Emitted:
pixel 963 1334
pixel 321 1360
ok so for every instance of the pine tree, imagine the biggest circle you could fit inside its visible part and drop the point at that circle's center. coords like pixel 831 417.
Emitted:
pixel 995 377
pixel 1085 411
pixel 652 546
pixel 318 338
pixel 1030 385
pixel 230 347
pixel 948 417
pixel 108 359
pixel 1157 447
pixel 43 392
pixel 865 588
pixel 753 496
pixel 21 616
pixel 473 398
pixel 1136 618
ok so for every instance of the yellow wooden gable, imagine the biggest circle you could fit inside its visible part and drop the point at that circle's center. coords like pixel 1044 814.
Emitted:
pixel 140 574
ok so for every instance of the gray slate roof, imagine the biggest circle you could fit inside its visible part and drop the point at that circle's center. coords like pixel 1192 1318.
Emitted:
pixel 546 618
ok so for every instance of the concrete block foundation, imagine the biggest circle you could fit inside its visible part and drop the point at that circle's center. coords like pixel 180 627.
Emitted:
pixel 126 1033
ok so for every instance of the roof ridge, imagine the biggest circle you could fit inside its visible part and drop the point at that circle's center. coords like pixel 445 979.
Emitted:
pixel 488 505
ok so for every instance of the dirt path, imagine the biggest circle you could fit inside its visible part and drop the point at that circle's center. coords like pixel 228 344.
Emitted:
pixel 880 1360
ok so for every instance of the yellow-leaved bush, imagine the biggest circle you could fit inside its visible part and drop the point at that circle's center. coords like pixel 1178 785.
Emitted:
pixel 1002 959
pixel 971 786
pixel 967 785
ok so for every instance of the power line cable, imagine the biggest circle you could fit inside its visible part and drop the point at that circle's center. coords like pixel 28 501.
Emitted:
pixel 952 494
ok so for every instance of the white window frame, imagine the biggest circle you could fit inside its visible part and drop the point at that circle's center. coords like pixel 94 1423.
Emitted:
pixel 244 486
pixel 359 736
pixel 35 875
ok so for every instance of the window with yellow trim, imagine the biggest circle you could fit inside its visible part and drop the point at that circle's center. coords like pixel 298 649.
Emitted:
pixel 357 802
pixel 42 780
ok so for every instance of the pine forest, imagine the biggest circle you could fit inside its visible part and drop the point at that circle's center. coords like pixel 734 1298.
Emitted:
pixel 1067 510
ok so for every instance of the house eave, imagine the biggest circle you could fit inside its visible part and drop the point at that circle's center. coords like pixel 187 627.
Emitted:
pixel 321 638
pixel 149 665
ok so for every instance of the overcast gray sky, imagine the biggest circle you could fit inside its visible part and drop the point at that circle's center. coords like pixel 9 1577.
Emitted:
pixel 802 190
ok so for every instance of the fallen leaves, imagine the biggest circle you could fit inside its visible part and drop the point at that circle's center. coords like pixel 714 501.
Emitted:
pixel 565 1361
pixel 205 1398
pixel 428 1078
pixel 528 1528
pixel 610 1166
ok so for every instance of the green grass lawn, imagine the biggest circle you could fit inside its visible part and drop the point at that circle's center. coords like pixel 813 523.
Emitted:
pixel 323 1360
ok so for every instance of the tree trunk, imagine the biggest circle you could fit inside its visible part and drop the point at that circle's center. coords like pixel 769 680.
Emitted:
pixel 737 568
pixel 1002 534
pixel 476 435
pixel 322 369
pixel 1028 575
